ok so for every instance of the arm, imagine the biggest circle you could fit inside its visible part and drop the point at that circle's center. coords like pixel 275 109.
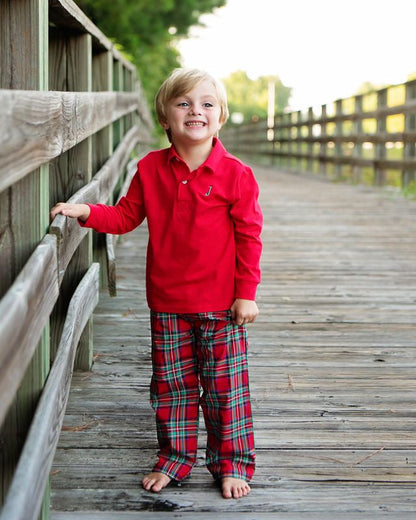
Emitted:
pixel 248 219
pixel 127 214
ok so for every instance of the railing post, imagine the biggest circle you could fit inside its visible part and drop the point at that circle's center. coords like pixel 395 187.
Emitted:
pixel 24 213
pixel 409 150
pixel 310 139
pixel 277 145
pixel 338 139
pixel 289 134
pixel 323 146
pixel 358 132
pixel 71 70
pixel 118 85
pixel 102 80
pixel 379 173
pixel 299 137
pixel 128 82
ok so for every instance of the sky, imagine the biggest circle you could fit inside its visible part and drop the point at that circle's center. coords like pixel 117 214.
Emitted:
pixel 323 49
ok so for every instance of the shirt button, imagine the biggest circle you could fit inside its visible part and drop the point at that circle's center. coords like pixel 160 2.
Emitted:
pixel 185 182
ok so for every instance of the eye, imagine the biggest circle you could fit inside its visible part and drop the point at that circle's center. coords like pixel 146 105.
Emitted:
pixel 208 105
pixel 183 104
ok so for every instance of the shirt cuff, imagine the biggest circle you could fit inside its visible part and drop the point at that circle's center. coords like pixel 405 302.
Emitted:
pixel 246 290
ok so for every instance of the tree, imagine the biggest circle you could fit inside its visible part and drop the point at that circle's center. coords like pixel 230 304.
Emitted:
pixel 145 30
pixel 250 97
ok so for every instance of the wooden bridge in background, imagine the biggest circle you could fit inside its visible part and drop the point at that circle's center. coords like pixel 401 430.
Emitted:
pixel 332 364
pixel 332 354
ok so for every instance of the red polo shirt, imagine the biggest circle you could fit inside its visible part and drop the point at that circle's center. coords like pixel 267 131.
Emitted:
pixel 204 229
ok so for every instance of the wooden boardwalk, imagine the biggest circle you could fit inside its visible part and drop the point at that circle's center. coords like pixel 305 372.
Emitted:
pixel 332 367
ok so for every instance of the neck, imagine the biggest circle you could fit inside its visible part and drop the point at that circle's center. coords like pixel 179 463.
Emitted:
pixel 194 155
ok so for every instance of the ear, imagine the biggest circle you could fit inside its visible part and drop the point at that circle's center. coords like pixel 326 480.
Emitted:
pixel 164 124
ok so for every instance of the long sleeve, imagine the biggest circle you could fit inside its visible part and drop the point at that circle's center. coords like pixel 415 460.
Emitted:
pixel 248 219
pixel 126 215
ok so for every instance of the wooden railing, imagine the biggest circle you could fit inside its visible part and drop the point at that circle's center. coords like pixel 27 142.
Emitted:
pixel 72 118
pixel 366 138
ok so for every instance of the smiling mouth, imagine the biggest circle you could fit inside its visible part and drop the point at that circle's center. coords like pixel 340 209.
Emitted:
pixel 195 123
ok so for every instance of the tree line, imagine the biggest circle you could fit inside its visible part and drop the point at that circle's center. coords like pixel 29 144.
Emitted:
pixel 146 32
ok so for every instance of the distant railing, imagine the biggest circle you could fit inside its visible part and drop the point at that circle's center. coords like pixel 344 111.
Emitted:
pixel 72 117
pixel 367 138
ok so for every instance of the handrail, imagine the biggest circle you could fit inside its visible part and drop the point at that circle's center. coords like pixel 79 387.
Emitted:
pixel 359 141
pixel 24 311
pixel 72 113
pixel 42 125
pixel 26 492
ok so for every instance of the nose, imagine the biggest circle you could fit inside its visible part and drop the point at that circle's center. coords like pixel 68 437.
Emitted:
pixel 195 111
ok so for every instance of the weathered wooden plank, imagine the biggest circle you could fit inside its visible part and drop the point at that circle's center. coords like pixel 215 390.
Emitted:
pixel 357 499
pixel 110 239
pixel 24 207
pixel 42 125
pixel 111 265
pixel 70 63
pixel 140 515
pixel 333 401
pixel 25 495
pixel 25 310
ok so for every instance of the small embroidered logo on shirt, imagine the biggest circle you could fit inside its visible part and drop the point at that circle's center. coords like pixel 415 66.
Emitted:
pixel 208 192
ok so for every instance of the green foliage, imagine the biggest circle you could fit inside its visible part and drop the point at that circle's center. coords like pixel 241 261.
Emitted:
pixel 409 191
pixel 146 29
pixel 250 97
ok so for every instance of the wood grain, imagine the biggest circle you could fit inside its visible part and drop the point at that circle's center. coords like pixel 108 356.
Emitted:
pixel 43 125
pixel 332 359
pixel 24 312
pixel 25 495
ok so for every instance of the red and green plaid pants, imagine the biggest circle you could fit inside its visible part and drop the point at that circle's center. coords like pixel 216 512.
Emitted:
pixel 201 359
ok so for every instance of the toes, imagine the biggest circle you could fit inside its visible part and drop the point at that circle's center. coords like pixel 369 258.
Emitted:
pixel 235 488
pixel 155 482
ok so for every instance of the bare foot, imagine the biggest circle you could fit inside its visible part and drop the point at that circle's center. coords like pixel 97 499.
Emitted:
pixel 234 487
pixel 155 481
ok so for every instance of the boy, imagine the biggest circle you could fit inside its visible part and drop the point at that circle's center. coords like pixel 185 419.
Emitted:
pixel 202 272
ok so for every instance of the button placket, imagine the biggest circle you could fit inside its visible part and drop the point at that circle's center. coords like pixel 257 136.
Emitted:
pixel 183 190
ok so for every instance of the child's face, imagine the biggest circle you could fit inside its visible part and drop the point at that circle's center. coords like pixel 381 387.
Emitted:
pixel 194 118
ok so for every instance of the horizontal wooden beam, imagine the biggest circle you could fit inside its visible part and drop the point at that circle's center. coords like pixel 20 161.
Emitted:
pixel 26 492
pixel 39 126
pixel 343 159
pixel 67 230
pixel 282 123
pixel 378 137
pixel 24 311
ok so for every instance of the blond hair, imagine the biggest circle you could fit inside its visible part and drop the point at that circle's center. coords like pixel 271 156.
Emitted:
pixel 180 82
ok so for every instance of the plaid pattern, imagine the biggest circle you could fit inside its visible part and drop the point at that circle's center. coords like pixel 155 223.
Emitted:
pixel 190 353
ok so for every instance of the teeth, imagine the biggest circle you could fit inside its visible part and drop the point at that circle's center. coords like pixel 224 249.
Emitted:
pixel 195 124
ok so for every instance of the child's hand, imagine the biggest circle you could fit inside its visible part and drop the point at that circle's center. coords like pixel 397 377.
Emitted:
pixel 244 311
pixel 81 211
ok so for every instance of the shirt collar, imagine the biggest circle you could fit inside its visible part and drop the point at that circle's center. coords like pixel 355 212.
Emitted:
pixel 217 153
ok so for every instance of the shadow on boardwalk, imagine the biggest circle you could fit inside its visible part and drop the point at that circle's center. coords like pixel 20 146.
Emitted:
pixel 332 365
